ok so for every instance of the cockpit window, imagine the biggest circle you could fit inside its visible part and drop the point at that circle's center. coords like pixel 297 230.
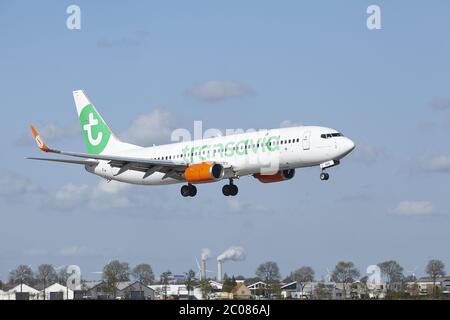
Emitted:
pixel 331 135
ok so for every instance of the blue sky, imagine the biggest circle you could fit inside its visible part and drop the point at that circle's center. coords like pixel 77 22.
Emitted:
pixel 309 62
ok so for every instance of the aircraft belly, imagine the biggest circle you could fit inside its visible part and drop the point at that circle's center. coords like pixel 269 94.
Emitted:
pixel 136 177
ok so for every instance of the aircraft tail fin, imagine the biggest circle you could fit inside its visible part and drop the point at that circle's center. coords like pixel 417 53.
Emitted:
pixel 98 137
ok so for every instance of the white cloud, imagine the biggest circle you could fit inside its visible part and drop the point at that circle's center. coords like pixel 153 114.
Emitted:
pixel 438 163
pixel 76 251
pixel 217 90
pixel 110 195
pixel 238 206
pixel 153 127
pixel 50 132
pixel 103 196
pixel 413 208
pixel 13 184
pixel 71 196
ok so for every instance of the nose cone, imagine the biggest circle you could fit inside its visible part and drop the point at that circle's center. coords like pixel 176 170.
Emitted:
pixel 346 146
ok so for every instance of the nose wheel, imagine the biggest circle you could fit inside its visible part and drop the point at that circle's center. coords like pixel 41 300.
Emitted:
pixel 230 189
pixel 324 176
pixel 188 190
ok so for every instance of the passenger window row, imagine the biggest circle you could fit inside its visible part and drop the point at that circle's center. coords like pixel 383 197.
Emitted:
pixel 257 145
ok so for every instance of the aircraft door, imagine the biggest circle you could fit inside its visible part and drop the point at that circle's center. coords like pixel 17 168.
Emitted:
pixel 306 140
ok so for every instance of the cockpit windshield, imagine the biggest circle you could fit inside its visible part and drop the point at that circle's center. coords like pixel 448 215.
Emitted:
pixel 331 135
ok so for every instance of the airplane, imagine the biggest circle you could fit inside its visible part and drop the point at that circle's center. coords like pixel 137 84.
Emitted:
pixel 268 155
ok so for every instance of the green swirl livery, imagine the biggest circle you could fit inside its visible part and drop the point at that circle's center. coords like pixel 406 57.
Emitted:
pixel 96 133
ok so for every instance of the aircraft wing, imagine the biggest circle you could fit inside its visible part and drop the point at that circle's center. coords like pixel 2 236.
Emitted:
pixel 148 166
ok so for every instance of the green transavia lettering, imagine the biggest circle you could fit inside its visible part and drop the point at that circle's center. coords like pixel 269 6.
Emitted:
pixel 231 149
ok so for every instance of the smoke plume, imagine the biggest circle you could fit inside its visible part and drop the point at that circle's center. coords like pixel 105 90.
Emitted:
pixel 206 254
pixel 233 253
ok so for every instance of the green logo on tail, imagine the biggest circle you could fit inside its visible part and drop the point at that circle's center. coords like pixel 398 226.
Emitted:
pixel 96 133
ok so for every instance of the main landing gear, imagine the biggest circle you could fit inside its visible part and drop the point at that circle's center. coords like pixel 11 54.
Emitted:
pixel 230 189
pixel 188 190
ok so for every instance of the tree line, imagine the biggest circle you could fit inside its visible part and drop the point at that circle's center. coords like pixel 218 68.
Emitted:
pixel 116 271
pixel 344 273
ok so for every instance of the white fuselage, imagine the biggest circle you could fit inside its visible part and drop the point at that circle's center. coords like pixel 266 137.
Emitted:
pixel 241 154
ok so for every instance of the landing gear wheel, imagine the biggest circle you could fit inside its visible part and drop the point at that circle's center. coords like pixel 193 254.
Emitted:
pixel 226 190
pixel 188 190
pixel 230 189
pixel 233 190
pixel 192 190
pixel 324 176
pixel 185 191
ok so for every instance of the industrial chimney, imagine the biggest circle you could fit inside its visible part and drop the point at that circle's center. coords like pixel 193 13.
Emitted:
pixel 219 270
pixel 203 270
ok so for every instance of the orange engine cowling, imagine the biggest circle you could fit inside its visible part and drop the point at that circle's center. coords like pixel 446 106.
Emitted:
pixel 281 175
pixel 203 172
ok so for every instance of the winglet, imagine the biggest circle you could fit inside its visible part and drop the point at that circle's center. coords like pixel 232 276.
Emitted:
pixel 39 141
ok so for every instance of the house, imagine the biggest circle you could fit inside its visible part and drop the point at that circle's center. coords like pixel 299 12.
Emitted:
pixel 289 290
pixel 57 292
pixel 21 292
pixel 412 288
pixel 426 285
pixel 339 292
pixel 215 291
pixel 241 292
pixel 172 292
pixel 224 296
pixel 258 289
pixel 445 285
pixel 325 290
pixel 293 290
pixel 133 290
pixel 94 290
pixel 216 286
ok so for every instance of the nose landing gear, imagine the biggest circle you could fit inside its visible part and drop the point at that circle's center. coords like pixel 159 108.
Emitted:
pixel 324 176
pixel 331 163
pixel 230 189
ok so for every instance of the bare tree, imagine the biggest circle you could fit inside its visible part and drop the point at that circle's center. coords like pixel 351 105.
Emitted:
pixel 46 274
pixel 23 274
pixel 165 278
pixel 345 273
pixel 435 269
pixel 270 273
pixel 302 276
pixel 392 271
pixel 189 281
pixel 322 291
pixel 63 276
pixel 206 288
pixel 144 273
pixel 113 273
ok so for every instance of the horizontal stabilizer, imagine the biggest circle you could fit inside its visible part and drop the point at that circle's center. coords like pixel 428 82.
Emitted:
pixel 84 162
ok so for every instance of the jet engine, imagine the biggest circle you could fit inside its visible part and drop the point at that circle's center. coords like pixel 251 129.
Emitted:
pixel 281 175
pixel 204 172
